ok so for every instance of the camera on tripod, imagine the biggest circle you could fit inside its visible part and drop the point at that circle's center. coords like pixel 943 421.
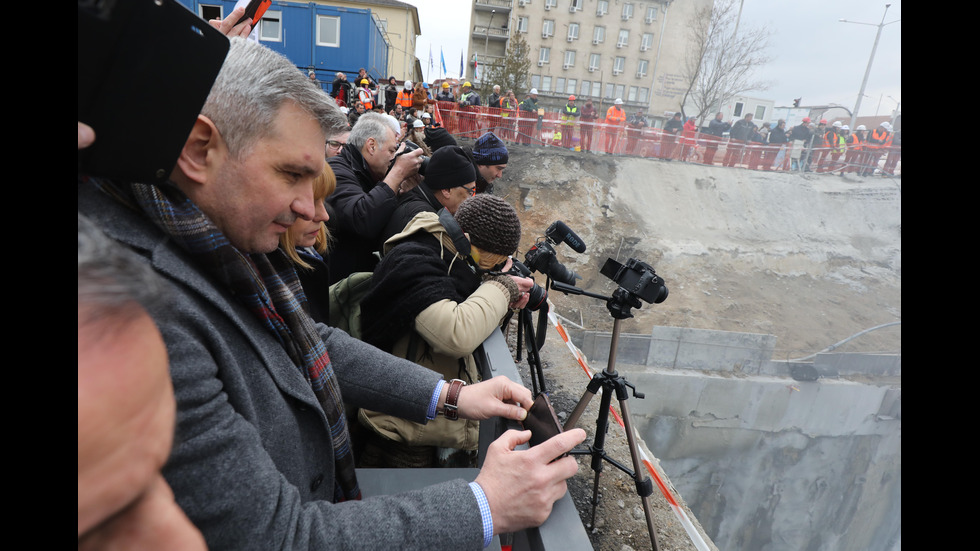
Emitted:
pixel 541 257
pixel 538 295
pixel 637 278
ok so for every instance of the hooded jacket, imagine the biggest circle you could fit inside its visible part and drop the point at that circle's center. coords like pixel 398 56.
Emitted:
pixel 422 287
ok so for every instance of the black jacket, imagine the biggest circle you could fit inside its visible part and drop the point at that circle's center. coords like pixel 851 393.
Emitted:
pixel 778 135
pixel 362 208
pixel 419 199
pixel 718 128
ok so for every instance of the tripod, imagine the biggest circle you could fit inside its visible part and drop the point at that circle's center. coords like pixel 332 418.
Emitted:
pixel 609 381
pixel 534 342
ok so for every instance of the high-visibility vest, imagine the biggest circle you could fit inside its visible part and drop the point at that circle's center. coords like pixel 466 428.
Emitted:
pixel 878 140
pixel 366 97
pixel 404 98
pixel 855 143
pixel 840 146
pixel 569 113
pixel 615 115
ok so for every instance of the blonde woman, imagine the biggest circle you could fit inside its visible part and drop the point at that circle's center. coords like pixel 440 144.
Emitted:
pixel 305 243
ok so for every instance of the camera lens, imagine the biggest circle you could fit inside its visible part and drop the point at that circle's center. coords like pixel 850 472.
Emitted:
pixel 537 297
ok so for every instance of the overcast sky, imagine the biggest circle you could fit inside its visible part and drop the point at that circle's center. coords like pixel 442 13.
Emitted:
pixel 815 56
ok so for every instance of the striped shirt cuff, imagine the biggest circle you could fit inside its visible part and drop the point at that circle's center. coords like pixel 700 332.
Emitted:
pixel 481 499
pixel 434 402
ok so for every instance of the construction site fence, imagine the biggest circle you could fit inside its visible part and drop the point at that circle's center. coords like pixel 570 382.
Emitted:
pixel 519 127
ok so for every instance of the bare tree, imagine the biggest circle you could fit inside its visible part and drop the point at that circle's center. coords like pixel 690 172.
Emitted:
pixel 722 58
pixel 515 70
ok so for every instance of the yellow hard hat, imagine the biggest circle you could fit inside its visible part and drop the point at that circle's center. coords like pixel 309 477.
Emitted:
pixel 364 81
pixel 467 83
pixel 445 85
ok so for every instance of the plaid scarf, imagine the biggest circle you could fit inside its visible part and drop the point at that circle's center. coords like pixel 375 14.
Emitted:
pixel 269 287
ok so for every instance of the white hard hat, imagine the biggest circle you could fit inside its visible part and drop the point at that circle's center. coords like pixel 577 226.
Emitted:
pixel 619 101
pixel 533 91
pixel 886 125
pixel 860 127
pixel 417 123
pixel 408 84
pixel 845 128
pixel 838 124
pixel 426 116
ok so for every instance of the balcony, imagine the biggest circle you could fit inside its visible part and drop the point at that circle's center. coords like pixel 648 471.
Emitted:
pixel 502 6
pixel 492 33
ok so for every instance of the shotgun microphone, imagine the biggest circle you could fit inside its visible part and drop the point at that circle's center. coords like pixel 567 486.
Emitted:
pixel 559 232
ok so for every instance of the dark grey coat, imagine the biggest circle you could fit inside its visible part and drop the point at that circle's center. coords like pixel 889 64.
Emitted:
pixel 252 462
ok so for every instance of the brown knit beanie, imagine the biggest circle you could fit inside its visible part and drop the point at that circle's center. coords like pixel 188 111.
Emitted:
pixel 491 222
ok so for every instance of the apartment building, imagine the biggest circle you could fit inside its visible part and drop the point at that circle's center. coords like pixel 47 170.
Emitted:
pixel 598 49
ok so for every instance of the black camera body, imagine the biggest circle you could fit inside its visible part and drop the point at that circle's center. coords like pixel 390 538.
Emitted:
pixel 409 147
pixel 541 258
pixel 537 296
pixel 638 278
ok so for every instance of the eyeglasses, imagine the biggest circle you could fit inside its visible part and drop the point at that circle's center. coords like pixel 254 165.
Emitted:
pixel 335 144
pixel 470 190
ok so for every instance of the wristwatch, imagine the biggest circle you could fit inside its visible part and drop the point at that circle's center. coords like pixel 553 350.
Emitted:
pixel 451 409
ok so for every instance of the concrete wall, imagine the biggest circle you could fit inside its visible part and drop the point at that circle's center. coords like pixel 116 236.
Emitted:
pixel 765 461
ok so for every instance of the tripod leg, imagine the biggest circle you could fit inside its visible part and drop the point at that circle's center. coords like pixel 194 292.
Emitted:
pixel 644 487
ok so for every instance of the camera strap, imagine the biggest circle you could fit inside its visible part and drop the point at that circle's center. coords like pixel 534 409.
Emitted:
pixel 455 232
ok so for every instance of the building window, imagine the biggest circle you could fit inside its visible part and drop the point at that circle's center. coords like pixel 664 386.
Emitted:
pixel 328 31
pixel 575 5
pixel 586 86
pixel 572 31
pixel 544 56
pixel 620 89
pixel 609 90
pixel 548 4
pixel 646 42
pixel 624 38
pixel 535 81
pixel 598 34
pixel 627 11
pixel 545 84
pixel 572 83
pixel 569 59
pixel 270 26
pixel 642 95
pixel 602 7
pixel 619 65
pixel 651 15
pixel 522 24
pixel 641 68
pixel 738 109
pixel 596 86
pixel 632 94
pixel 548 28
pixel 760 112
pixel 594 61
pixel 560 85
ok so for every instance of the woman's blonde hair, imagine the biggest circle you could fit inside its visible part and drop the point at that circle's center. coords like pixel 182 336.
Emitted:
pixel 323 186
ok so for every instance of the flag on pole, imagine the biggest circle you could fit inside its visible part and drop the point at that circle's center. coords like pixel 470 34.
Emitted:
pixel 476 67
pixel 461 64
pixel 430 60
pixel 442 58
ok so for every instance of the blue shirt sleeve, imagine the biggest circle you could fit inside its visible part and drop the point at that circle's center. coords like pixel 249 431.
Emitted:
pixel 481 499
pixel 434 401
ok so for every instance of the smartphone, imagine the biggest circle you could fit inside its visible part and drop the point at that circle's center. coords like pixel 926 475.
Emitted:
pixel 145 68
pixel 254 11
pixel 542 421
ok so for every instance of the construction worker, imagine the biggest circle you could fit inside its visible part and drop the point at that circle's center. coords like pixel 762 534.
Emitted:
pixel 404 97
pixel 854 156
pixel 835 140
pixel 615 119
pixel 365 95
pixel 877 143
pixel 568 115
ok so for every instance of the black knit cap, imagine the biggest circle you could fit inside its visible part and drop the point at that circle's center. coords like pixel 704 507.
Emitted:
pixel 491 222
pixel 449 167
pixel 436 137
pixel 489 150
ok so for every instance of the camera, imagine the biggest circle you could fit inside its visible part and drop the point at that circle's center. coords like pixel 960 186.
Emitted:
pixel 537 296
pixel 409 147
pixel 541 257
pixel 637 278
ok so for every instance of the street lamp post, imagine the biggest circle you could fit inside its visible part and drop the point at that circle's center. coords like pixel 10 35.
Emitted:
pixel 864 83
pixel 486 42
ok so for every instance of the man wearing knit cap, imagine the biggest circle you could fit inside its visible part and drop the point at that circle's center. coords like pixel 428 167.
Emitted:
pixel 435 304
pixel 489 156
pixel 437 136
pixel 449 180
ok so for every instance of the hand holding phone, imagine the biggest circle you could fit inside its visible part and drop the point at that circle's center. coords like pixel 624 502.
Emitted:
pixel 542 421
pixel 254 11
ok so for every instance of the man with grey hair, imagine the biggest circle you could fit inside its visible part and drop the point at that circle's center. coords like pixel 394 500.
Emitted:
pixel 263 457
pixel 368 186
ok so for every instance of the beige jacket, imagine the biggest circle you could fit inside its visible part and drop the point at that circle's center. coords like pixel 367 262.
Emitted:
pixel 452 331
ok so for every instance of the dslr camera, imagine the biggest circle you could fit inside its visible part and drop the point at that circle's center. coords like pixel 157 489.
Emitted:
pixel 638 278
pixel 541 257
pixel 538 295
pixel 409 147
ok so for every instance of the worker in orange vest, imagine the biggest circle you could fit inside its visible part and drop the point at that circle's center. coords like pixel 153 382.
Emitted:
pixel 404 97
pixel 364 94
pixel 877 142
pixel 615 119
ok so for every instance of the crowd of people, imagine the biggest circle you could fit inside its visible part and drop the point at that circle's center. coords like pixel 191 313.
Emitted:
pixel 219 274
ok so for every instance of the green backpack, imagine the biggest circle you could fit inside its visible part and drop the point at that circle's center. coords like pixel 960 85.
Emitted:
pixel 345 302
